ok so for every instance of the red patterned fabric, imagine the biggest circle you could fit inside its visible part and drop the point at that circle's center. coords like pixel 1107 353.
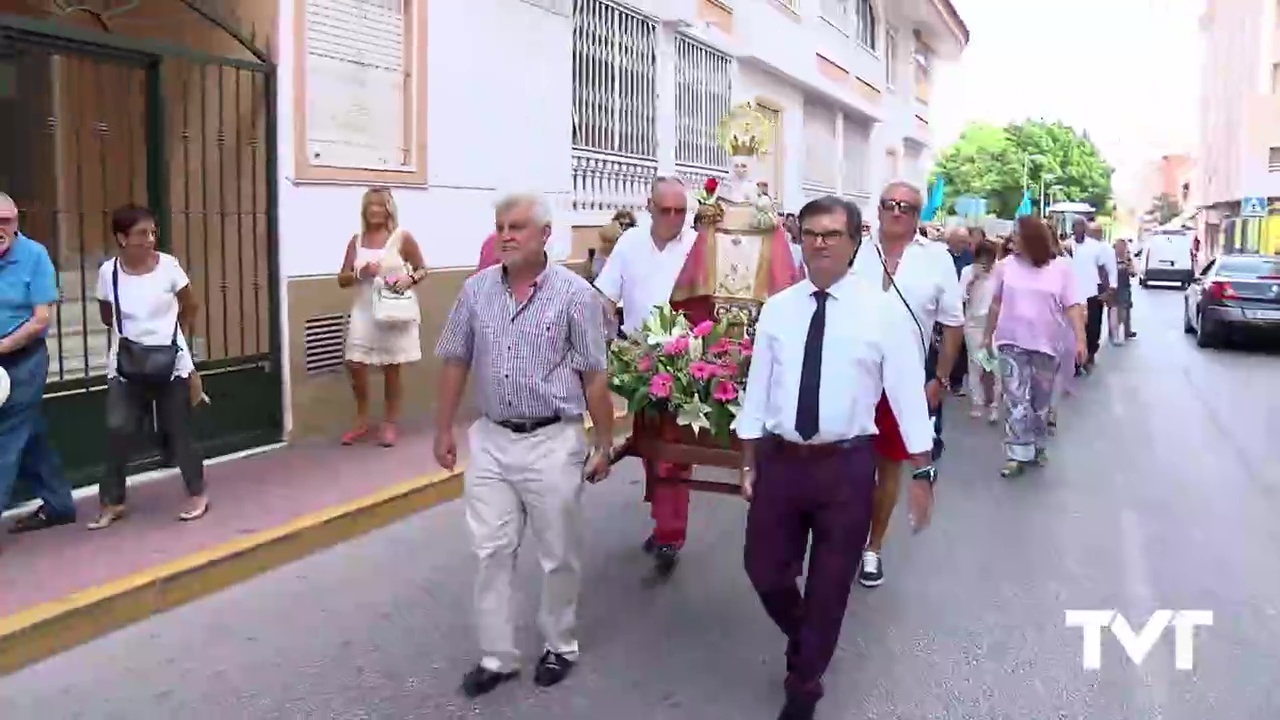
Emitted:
pixel 888 443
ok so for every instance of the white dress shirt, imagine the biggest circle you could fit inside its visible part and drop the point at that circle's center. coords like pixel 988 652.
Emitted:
pixel 864 354
pixel 640 276
pixel 1086 258
pixel 926 277
pixel 979 290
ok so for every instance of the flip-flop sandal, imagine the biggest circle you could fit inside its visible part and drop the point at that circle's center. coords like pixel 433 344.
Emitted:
pixel 191 515
pixel 351 437
pixel 107 518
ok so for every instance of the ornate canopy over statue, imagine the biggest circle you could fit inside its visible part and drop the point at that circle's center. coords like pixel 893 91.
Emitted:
pixel 741 255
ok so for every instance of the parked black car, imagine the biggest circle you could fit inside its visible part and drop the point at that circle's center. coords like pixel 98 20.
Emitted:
pixel 1233 293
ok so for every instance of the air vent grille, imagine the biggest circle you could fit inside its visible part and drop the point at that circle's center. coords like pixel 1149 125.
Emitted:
pixel 324 341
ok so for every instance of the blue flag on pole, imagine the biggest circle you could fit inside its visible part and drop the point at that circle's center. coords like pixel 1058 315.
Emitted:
pixel 934 203
pixel 1024 208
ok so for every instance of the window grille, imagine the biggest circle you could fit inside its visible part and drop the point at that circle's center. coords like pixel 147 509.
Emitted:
pixel 856 141
pixel 821 160
pixel 837 13
pixel 867 24
pixel 703 93
pixel 614 79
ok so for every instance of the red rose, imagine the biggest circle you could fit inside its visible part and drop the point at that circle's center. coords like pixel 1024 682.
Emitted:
pixel 710 186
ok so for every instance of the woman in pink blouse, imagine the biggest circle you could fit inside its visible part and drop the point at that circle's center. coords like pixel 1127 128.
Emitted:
pixel 1034 293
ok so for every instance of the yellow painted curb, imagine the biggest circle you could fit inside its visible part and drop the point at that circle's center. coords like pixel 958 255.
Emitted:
pixel 32 635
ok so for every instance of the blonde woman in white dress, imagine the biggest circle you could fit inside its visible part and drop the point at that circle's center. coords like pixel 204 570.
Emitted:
pixel 381 255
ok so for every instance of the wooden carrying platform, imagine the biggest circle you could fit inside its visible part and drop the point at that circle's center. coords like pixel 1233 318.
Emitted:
pixel 656 438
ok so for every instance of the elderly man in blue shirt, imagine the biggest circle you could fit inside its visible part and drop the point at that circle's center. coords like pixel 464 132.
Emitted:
pixel 28 290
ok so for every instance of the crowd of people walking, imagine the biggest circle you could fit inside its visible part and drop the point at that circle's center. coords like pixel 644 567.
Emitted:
pixel 853 364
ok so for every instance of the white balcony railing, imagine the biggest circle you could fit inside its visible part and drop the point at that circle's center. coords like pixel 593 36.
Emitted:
pixel 695 176
pixel 604 183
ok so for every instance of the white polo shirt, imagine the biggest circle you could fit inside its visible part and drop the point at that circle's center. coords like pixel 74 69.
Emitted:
pixel 1086 258
pixel 639 276
pixel 926 278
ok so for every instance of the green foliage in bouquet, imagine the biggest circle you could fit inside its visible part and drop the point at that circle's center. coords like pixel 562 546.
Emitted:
pixel 697 373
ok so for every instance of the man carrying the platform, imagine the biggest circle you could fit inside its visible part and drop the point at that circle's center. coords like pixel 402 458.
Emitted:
pixel 918 279
pixel 824 357
pixel 640 274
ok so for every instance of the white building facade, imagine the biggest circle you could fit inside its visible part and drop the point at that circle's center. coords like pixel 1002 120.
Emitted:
pixel 847 83
pixel 451 102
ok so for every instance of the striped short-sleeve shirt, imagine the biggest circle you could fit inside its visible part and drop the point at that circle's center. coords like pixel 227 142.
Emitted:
pixel 527 358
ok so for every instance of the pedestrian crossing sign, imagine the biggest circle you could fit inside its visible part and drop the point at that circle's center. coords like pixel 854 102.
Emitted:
pixel 1253 207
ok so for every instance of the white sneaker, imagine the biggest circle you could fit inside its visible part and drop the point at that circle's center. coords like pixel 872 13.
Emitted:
pixel 870 574
pixel 976 412
pixel 993 415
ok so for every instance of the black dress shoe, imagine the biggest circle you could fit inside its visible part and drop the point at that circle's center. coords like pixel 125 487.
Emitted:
pixel 798 708
pixel 552 668
pixel 39 520
pixel 650 545
pixel 665 558
pixel 480 680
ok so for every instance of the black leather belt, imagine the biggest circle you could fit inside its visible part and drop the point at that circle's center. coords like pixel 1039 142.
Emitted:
pixel 783 446
pixel 524 427
pixel 8 361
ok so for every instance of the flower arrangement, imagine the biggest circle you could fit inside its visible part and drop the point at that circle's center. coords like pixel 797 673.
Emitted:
pixel 695 372
pixel 706 195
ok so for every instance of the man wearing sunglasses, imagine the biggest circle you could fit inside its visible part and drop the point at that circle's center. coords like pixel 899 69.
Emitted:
pixel 640 274
pixel 919 278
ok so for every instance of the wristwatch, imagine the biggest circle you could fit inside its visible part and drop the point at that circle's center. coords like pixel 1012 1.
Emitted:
pixel 928 473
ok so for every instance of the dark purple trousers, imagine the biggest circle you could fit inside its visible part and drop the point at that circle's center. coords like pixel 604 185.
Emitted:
pixel 820 500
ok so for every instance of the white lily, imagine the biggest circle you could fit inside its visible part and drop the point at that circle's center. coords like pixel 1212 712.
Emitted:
pixel 694 415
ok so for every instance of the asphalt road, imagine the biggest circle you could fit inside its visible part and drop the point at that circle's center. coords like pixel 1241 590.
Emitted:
pixel 1162 492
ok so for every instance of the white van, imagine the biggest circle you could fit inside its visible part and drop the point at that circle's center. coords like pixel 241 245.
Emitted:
pixel 1166 257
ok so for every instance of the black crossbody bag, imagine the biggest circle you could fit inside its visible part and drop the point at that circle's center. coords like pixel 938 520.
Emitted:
pixel 135 362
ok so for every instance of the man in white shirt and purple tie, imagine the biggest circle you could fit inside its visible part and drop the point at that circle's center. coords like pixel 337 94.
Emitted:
pixel 823 356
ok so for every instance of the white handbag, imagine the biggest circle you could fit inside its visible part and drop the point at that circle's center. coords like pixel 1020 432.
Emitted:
pixel 389 306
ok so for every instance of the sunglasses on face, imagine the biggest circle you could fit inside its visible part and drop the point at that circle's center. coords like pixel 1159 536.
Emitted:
pixel 902 207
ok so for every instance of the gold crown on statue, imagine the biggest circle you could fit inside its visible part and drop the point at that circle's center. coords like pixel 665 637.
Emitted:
pixel 745 132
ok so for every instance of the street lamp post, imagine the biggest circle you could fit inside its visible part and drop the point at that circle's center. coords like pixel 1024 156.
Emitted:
pixel 1043 178
pixel 1026 168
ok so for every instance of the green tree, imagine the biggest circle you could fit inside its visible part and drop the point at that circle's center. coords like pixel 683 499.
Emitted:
pixel 1164 208
pixel 989 161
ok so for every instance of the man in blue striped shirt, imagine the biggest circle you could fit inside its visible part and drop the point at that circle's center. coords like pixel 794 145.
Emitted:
pixel 534 333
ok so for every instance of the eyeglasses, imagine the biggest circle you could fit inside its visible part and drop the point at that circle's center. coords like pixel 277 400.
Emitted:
pixel 902 207
pixel 827 237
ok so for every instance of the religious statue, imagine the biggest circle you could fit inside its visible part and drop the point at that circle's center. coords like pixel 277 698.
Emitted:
pixel 741 254
pixel 739 258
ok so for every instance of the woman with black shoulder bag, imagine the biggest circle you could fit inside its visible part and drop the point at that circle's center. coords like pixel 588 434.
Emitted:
pixel 145 297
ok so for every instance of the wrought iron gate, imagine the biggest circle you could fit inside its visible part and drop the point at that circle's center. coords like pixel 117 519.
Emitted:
pixel 98 120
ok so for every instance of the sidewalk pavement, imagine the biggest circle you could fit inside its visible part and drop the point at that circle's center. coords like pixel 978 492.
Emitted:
pixel 64 586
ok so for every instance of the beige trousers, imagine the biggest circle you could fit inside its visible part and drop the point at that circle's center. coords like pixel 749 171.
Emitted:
pixel 513 479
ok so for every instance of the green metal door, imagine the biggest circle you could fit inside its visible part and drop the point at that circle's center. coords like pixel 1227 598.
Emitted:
pixel 99 120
